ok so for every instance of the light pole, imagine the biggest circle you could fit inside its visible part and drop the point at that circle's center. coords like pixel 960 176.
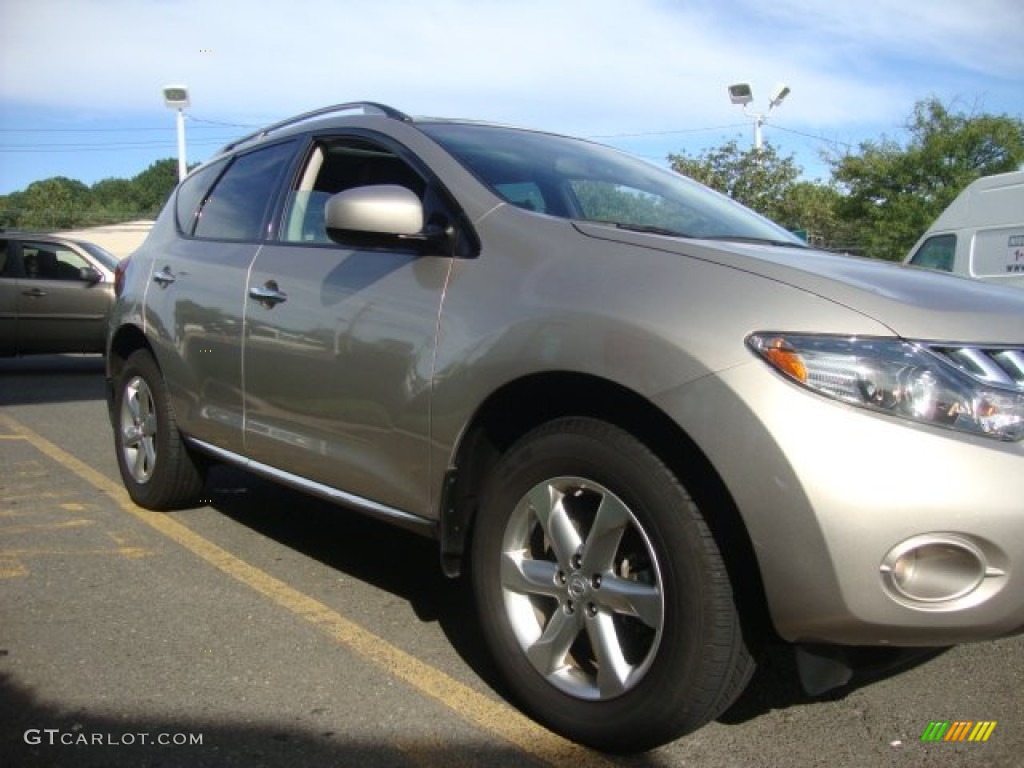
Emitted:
pixel 740 93
pixel 176 97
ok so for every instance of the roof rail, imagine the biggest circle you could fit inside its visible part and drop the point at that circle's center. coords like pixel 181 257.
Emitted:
pixel 367 107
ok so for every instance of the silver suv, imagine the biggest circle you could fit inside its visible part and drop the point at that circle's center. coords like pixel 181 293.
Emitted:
pixel 653 426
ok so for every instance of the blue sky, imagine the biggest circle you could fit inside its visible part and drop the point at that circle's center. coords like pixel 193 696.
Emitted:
pixel 81 80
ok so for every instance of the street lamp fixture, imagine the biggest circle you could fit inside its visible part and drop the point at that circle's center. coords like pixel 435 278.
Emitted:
pixel 742 94
pixel 176 97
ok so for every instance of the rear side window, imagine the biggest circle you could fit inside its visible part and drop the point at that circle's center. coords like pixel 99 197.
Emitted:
pixel 936 253
pixel 236 207
pixel 191 194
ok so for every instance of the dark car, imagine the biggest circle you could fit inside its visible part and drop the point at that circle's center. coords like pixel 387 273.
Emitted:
pixel 55 294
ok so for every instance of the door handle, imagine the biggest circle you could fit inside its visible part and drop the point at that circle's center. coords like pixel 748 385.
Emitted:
pixel 34 292
pixel 269 295
pixel 164 277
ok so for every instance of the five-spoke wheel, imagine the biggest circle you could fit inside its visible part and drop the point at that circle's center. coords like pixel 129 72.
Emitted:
pixel 601 591
pixel 157 467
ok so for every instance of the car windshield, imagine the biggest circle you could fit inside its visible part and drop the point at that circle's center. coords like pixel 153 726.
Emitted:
pixel 581 180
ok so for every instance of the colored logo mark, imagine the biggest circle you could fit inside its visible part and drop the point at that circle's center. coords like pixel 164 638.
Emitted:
pixel 958 730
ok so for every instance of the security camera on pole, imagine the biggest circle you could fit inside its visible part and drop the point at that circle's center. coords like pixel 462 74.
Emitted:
pixel 741 93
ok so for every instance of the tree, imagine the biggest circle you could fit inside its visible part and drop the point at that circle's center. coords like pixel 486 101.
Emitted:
pixel 113 197
pixel 55 203
pixel 895 191
pixel 154 185
pixel 63 203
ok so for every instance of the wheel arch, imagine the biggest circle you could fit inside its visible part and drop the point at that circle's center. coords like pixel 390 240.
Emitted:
pixel 126 340
pixel 520 406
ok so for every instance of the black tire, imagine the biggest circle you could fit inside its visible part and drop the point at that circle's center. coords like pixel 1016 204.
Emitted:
pixel 652 590
pixel 156 466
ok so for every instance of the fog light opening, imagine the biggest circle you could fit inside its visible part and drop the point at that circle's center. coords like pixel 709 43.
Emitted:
pixel 933 570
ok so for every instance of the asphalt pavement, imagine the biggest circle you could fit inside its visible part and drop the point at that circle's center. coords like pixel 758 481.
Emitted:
pixel 269 629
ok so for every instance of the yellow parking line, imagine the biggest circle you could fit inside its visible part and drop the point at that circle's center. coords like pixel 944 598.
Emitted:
pixel 494 717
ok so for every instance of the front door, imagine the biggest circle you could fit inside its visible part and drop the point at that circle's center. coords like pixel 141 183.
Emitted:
pixel 339 343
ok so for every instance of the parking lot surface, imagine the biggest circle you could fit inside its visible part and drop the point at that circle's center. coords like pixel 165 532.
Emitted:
pixel 266 628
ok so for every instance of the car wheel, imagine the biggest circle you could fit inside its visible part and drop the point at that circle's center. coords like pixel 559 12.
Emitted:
pixel 157 468
pixel 602 594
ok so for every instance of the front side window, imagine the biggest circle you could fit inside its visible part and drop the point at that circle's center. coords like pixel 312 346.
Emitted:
pixel 237 206
pixel 335 165
pixel 936 253
pixel 49 261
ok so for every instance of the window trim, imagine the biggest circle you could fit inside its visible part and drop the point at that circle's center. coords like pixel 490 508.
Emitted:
pixel 431 181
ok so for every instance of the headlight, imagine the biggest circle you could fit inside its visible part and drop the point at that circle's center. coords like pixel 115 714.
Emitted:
pixel 896 377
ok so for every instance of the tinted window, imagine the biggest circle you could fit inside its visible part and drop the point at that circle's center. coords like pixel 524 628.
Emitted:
pixel 191 194
pixel 236 207
pixel 936 253
pixel 49 261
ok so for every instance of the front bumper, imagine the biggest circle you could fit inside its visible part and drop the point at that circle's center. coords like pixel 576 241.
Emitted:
pixel 868 529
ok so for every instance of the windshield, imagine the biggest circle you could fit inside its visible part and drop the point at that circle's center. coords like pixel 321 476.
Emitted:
pixel 576 179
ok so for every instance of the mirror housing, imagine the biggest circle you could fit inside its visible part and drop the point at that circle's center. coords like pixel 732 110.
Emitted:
pixel 383 209
pixel 90 275
pixel 381 216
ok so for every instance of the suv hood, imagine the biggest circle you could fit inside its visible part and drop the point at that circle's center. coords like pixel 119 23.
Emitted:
pixel 914 303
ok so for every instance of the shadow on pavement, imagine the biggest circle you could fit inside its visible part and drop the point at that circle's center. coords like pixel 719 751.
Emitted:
pixel 407 566
pixel 386 557
pixel 776 683
pixel 36 734
pixel 51 379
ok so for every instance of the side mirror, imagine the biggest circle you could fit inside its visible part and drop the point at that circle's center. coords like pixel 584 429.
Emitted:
pixel 381 216
pixel 90 275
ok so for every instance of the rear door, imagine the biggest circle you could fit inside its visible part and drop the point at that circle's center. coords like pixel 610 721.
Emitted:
pixel 196 297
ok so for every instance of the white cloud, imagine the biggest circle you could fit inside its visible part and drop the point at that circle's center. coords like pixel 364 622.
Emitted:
pixel 589 67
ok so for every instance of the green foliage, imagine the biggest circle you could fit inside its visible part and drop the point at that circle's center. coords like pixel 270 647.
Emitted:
pixel 63 203
pixel 880 199
pixel 894 191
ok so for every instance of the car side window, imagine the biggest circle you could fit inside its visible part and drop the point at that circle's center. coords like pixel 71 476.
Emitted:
pixel 190 195
pixel 936 253
pixel 4 269
pixel 49 261
pixel 334 166
pixel 237 206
